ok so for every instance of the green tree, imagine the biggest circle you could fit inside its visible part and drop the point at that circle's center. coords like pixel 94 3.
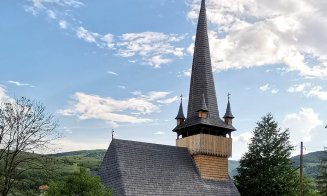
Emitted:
pixel 78 184
pixel 266 168
pixel 322 178
pixel 309 187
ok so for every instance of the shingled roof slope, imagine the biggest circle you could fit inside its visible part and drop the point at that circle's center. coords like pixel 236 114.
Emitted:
pixel 202 82
pixel 136 168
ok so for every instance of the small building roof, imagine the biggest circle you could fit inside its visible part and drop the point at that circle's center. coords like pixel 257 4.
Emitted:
pixel 137 168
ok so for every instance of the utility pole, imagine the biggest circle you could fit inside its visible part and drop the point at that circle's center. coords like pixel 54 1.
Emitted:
pixel 301 170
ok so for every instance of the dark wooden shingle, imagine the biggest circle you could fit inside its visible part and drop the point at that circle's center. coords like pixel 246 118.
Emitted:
pixel 137 168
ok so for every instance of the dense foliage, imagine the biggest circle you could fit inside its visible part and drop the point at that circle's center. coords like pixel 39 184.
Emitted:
pixel 266 168
pixel 322 178
pixel 80 183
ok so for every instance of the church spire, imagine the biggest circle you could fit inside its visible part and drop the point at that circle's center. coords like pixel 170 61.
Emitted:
pixel 202 78
pixel 228 114
pixel 180 115
pixel 202 111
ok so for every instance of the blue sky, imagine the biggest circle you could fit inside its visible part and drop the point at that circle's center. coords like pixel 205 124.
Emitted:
pixel 123 64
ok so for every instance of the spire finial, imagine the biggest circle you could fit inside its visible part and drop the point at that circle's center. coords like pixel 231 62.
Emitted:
pixel 228 113
pixel 112 133
pixel 180 114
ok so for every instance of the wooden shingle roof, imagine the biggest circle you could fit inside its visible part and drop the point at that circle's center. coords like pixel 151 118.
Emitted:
pixel 137 168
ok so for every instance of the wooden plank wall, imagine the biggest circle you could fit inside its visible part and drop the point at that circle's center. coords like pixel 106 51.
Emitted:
pixel 207 144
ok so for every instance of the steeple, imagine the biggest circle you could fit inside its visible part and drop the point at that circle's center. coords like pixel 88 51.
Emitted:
pixel 202 95
pixel 203 132
pixel 180 115
pixel 202 78
pixel 228 115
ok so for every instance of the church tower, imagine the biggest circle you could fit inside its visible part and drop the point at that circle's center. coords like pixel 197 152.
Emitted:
pixel 203 132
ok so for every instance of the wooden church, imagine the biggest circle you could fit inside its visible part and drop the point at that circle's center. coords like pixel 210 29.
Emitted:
pixel 198 164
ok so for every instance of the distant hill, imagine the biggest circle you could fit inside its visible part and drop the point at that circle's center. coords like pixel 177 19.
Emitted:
pixel 311 162
pixel 92 160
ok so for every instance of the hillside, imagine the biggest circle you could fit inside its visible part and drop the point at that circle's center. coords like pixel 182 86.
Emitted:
pixel 92 159
pixel 63 164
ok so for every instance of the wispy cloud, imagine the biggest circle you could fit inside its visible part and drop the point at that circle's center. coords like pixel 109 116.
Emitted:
pixel 264 87
pixel 153 47
pixel 112 73
pixel 86 35
pixel 169 100
pixel 274 91
pixel 243 137
pixel 309 90
pixel 66 145
pixel 150 48
pixel 86 106
pixel 63 24
pixel 19 83
pixel 267 87
pixel 159 133
pixel 186 73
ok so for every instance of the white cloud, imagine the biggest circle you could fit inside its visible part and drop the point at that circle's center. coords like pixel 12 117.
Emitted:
pixel 121 86
pixel 169 100
pixel 154 48
pixel 111 110
pixel 186 73
pixel 159 133
pixel 298 87
pixel 52 14
pixel 86 35
pixel 243 137
pixel 150 48
pixel 274 91
pixel 42 4
pixel 157 61
pixel 309 90
pixel 264 87
pixel 19 83
pixel 112 73
pixel 262 32
pixel 302 124
pixel 67 145
pixel 38 6
pixel 267 87
pixel 109 40
pixel 113 124
pixel 63 24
